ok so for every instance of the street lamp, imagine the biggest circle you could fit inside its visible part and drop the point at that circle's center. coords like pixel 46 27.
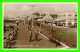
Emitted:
pixel 32 6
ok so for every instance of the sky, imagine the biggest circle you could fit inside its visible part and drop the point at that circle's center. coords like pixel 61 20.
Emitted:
pixel 20 9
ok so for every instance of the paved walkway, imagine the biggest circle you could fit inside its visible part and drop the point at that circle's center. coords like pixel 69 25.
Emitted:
pixel 23 39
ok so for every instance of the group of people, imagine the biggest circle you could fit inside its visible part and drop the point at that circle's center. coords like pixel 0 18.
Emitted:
pixel 10 39
pixel 31 31
pixel 11 29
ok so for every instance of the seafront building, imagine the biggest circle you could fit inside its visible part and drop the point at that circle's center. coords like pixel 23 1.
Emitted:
pixel 67 18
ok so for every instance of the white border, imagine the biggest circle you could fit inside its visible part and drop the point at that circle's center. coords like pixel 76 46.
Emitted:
pixel 37 3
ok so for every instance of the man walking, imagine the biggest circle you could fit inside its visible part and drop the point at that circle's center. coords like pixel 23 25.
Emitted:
pixel 36 35
pixel 30 35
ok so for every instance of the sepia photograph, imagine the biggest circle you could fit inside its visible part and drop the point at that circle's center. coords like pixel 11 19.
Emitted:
pixel 40 26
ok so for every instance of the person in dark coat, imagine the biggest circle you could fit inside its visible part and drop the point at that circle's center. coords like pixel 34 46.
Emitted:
pixel 36 35
pixel 31 36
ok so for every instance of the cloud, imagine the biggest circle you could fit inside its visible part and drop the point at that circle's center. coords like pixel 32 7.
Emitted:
pixel 17 9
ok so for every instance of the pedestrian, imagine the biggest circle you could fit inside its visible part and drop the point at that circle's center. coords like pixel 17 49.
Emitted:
pixel 14 35
pixel 40 27
pixel 31 36
pixel 23 22
pixel 10 36
pixel 29 25
pixel 10 27
pixel 36 35
pixel 52 30
pixel 17 23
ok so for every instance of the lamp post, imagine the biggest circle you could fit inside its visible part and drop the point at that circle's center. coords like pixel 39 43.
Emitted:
pixel 32 6
pixel 32 17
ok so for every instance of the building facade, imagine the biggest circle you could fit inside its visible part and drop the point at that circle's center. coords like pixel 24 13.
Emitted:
pixel 67 19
